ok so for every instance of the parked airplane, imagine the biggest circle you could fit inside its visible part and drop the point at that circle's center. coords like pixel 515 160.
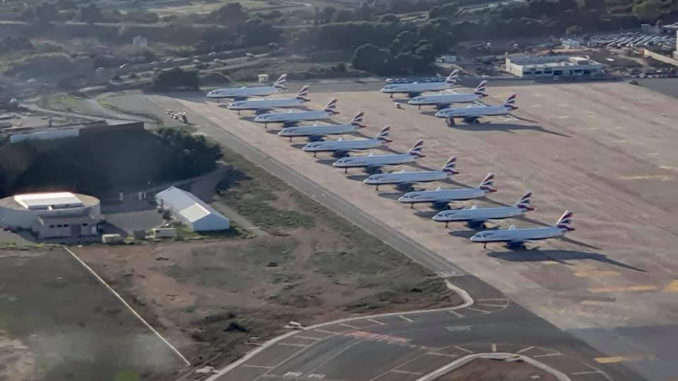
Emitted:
pixel 260 105
pixel 471 114
pixel 475 215
pixel 376 161
pixel 324 129
pixel 342 146
pixel 515 237
pixel 441 197
pixel 238 93
pixel 416 88
pixel 404 177
pixel 291 118
pixel 445 99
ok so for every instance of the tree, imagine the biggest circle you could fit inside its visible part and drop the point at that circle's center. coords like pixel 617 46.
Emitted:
pixel 231 14
pixel 175 78
pixel 45 12
pixel 648 10
pixel 327 13
pixel 369 57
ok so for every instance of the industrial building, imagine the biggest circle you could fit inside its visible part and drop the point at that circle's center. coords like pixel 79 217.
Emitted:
pixel 552 66
pixel 52 215
pixel 191 211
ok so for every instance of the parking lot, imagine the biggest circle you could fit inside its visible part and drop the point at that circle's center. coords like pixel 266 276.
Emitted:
pixel 603 150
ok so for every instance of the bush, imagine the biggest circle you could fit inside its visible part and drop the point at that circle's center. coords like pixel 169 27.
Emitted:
pixel 174 79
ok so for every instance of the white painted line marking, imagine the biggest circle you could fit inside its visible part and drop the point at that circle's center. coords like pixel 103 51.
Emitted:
pixel 455 313
pixel 308 337
pixel 257 366
pixel 493 305
pixel 492 299
pixel 294 345
pixel 405 318
pixel 548 355
pixel 375 321
pixel 463 349
pixel 349 326
pixel 584 373
pixel 478 310
pixel 326 331
pixel 525 349
pixel 459 328
pixel 135 313
pixel 406 372
pixel 441 354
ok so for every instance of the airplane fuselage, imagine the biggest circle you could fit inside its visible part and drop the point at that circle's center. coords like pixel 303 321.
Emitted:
pixel 374 160
pixel 473 111
pixel 406 177
pixel 343 145
pixel 444 99
pixel 478 214
pixel 441 196
pixel 243 92
pixel 415 87
pixel 518 235
pixel 292 117
pixel 322 130
pixel 265 104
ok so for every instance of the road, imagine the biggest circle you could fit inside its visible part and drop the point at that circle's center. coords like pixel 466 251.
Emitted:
pixel 511 329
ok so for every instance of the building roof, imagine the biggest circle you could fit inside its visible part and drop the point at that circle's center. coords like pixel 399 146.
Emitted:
pixel 187 204
pixel 51 200
pixel 552 61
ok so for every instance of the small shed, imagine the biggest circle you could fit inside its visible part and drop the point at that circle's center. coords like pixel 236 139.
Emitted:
pixel 191 211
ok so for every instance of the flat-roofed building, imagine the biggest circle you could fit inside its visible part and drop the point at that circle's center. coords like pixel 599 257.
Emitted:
pixel 52 214
pixel 552 66
pixel 191 211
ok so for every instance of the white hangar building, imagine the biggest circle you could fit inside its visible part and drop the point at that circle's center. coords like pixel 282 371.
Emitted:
pixel 52 215
pixel 190 210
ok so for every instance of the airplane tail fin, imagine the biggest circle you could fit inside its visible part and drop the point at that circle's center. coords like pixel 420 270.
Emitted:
pixel 416 149
pixel 450 166
pixel 488 183
pixel 481 88
pixel 510 102
pixel 358 120
pixel 280 82
pixel 565 221
pixel 524 202
pixel 383 134
pixel 331 107
pixel 303 92
pixel 452 78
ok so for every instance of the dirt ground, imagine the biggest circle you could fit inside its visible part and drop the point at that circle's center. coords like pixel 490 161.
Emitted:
pixel 497 370
pixel 305 264
pixel 58 323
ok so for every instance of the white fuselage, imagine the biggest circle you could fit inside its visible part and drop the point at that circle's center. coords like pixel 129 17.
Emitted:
pixel 444 99
pixel 415 87
pixel 518 235
pixel 374 160
pixel 441 195
pixel 343 145
pixel 322 130
pixel 479 214
pixel 243 92
pixel 406 177
pixel 473 111
pixel 265 104
pixel 292 117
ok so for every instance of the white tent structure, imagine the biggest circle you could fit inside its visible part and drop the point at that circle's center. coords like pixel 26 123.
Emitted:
pixel 190 210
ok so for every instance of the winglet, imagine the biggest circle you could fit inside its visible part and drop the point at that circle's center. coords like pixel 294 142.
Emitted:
pixel 452 78
pixel 488 183
pixel 481 88
pixel 450 166
pixel 303 92
pixel 280 82
pixel 331 107
pixel 565 221
pixel 524 202
pixel 383 134
pixel 358 120
pixel 416 149
pixel 510 102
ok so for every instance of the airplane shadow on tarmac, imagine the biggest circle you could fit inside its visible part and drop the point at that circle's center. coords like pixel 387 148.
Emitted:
pixel 505 127
pixel 560 256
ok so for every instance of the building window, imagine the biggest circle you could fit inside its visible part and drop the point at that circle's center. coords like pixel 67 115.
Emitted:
pixel 65 225
pixel 537 73
pixel 51 226
pixel 84 224
pixel 557 72
pixel 527 73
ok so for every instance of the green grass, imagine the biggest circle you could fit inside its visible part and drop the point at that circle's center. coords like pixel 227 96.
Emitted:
pixel 127 375
pixel 64 102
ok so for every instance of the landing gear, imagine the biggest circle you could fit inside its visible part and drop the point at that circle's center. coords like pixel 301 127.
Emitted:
pixel 346 170
pixel 447 224
pixel 315 154
pixel 377 188
pixel 471 120
pixel 450 122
